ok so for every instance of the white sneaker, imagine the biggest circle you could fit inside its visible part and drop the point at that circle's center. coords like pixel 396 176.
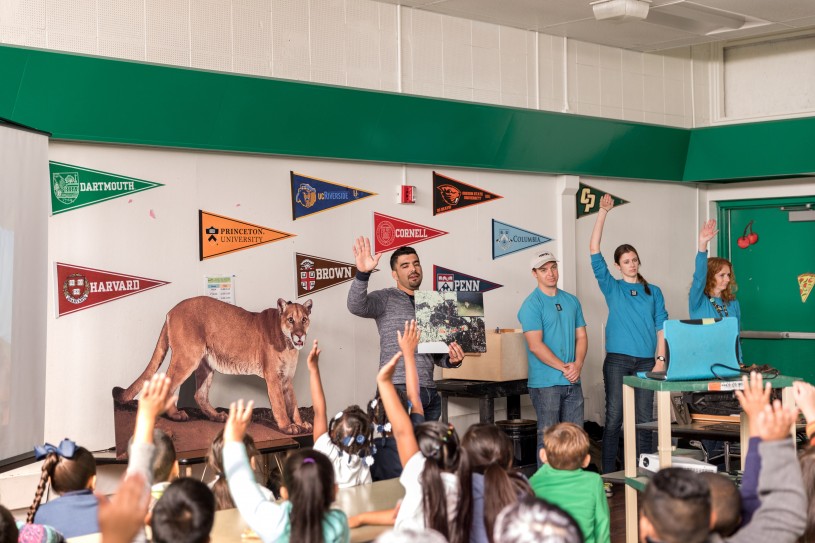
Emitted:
pixel 609 488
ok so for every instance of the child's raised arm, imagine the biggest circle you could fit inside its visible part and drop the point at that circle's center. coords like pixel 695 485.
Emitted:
pixel 317 393
pixel 155 399
pixel 606 203
pixel 400 422
pixel 408 341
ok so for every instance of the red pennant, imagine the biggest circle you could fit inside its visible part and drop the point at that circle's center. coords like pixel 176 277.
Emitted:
pixel 392 233
pixel 79 288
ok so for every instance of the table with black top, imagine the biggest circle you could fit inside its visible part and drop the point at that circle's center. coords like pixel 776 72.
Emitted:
pixel 485 392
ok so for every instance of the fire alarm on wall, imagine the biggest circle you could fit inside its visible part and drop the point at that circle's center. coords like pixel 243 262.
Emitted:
pixel 406 194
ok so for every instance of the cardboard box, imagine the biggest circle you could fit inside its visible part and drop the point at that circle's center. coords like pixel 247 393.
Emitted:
pixel 505 359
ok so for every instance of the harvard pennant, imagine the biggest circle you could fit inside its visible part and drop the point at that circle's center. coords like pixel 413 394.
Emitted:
pixel 79 288
pixel 450 194
pixel 392 233
pixel 221 235
pixel 508 239
pixel 73 187
pixel 588 200
pixel 445 280
pixel 311 195
pixel 315 274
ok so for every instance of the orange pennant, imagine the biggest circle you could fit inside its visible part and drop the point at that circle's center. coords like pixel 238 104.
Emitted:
pixel 221 235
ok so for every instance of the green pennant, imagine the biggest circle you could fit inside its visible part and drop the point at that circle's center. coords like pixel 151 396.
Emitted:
pixel 588 200
pixel 73 187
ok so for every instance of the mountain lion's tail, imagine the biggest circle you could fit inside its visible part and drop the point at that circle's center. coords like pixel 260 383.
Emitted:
pixel 162 345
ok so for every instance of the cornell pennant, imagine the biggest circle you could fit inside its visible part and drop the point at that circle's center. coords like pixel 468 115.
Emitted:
pixel 411 233
pixel 114 286
pixel 111 185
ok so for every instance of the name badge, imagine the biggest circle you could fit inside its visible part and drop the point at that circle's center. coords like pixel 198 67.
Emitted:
pixel 633 293
pixel 558 307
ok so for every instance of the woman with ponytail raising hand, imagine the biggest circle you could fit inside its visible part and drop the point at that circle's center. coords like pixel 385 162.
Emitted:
pixel 636 311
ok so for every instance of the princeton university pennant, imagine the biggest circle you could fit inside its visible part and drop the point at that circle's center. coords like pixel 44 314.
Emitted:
pixel 221 235
pixel 79 287
pixel 311 195
pixel 450 194
pixel 446 280
pixel 315 273
pixel 392 233
pixel 508 239
pixel 588 200
pixel 73 187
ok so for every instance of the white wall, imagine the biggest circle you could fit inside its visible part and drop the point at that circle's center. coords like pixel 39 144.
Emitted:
pixel 367 44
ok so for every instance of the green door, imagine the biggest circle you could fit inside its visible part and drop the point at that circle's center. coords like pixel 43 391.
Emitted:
pixel 778 328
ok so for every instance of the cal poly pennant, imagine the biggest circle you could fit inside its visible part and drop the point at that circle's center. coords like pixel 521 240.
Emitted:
pixel 508 239
pixel 451 194
pixel 588 200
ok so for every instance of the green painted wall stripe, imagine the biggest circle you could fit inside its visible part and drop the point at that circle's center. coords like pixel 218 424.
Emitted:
pixel 103 100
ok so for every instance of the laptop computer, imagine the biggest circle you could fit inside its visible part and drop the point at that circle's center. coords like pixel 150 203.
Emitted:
pixel 699 350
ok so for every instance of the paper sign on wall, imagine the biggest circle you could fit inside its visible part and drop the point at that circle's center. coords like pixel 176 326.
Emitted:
pixel 315 273
pixel 451 194
pixel 220 287
pixel 508 239
pixel 73 187
pixel 220 235
pixel 392 233
pixel 588 200
pixel 78 287
pixel 311 195
pixel 446 280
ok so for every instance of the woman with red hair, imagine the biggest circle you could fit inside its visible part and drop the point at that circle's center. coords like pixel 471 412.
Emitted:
pixel 712 293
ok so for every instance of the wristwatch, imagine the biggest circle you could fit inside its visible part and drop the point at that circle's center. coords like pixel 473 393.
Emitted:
pixel 660 358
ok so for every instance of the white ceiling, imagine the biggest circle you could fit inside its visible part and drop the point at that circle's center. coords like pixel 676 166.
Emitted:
pixel 575 19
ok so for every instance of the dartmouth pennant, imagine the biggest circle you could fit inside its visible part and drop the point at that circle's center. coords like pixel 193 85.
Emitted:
pixel 588 200
pixel 508 239
pixel 392 233
pixel 221 235
pixel 73 187
pixel 450 194
pixel 311 195
pixel 315 273
pixel 445 280
pixel 79 287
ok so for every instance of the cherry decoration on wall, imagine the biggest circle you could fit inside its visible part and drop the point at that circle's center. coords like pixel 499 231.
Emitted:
pixel 747 239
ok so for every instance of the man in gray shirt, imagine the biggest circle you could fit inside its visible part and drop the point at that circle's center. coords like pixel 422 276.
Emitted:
pixel 391 307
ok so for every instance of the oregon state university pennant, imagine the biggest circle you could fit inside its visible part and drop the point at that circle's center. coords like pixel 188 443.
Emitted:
pixel 79 288
pixel 73 187
pixel 446 280
pixel 315 273
pixel 508 239
pixel 451 194
pixel 221 235
pixel 311 195
pixel 392 233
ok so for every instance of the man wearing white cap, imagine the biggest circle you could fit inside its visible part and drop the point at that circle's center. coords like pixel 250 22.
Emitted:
pixel 556 344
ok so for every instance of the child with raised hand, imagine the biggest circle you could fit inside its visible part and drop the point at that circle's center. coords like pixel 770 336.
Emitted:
pixel 495 484
pixel 754 397
pixel 122 517
pixel 308 488
pixel 431 458
pixel 347 440
pixel 215 460
pixel 387 464
pixel 804 395
pixel 562 481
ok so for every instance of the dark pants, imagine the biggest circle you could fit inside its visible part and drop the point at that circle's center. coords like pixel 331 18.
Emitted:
pixel 431 401
pixel 615 367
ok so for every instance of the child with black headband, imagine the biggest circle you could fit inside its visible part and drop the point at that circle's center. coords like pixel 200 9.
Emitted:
pixel 347 440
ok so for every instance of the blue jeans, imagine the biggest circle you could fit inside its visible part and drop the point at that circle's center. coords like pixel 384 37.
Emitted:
pixel 431 401
pixel 615 367
pixel 561 403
